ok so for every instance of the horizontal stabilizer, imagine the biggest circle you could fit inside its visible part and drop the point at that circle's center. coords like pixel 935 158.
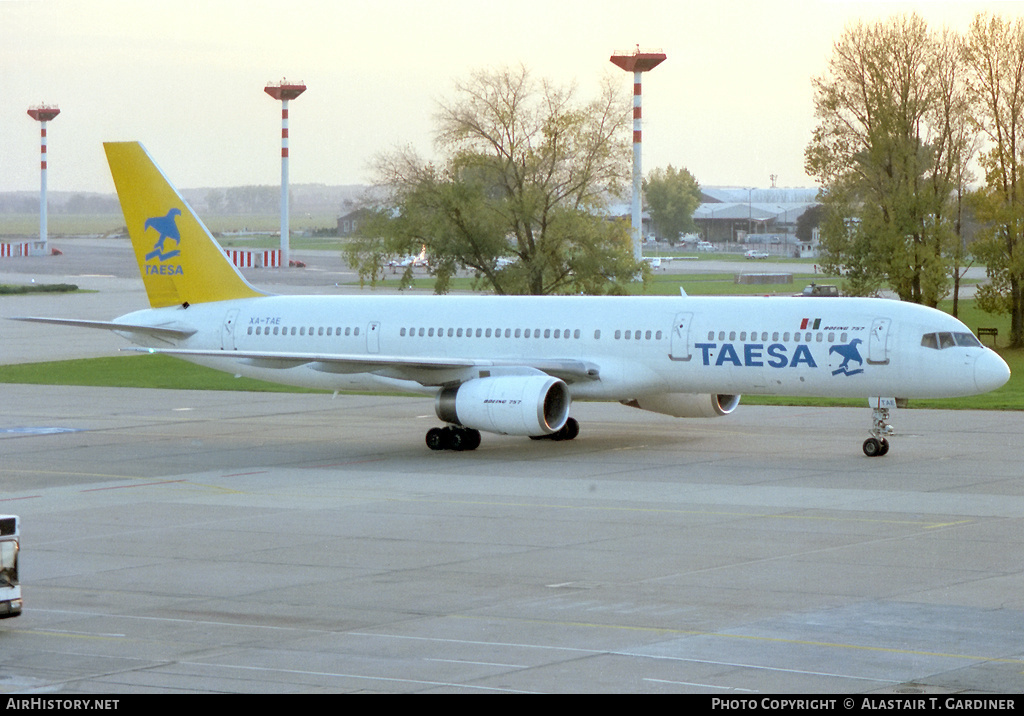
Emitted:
pixel 155 331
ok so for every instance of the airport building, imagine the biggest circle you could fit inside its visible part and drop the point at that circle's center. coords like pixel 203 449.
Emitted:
pixel 731 217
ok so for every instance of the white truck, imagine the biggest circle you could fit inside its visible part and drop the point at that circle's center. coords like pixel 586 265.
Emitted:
pixel 10 587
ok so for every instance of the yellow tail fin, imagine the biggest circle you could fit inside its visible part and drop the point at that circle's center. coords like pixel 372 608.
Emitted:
pixel 179 260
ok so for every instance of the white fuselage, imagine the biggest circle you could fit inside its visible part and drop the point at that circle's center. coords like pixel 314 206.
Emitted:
pixel 636 346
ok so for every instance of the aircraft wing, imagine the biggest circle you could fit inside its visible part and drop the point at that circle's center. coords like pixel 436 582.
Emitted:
pixel 421 369
pixel 161 332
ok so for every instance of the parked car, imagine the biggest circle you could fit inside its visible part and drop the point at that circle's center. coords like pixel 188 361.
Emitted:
pixel 756 254
pixel 824 291
pixel 705 246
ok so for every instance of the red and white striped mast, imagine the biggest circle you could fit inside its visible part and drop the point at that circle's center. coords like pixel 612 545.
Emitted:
pixel 284 91
pixel 637 63
pixel 42 114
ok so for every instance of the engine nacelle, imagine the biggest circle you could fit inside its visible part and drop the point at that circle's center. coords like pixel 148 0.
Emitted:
pixel 686 405
pixel 509 405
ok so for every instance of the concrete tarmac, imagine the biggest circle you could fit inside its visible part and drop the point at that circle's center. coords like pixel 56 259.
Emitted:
pixel 187 541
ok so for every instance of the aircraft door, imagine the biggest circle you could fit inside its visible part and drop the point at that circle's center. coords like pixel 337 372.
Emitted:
pixel 878 342
pixel 680 337
pixel 227 334
pixel 373 337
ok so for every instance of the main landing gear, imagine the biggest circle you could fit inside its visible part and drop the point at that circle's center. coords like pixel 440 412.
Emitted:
pixel 877 445
pixel 453 437
pixel 569 431
pixel 458 438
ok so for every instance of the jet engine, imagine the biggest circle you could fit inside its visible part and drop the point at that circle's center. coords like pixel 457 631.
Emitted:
pixel 686 405
pixel 510 405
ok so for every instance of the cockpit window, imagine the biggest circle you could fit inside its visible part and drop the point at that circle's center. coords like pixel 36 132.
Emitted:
pixel 939 341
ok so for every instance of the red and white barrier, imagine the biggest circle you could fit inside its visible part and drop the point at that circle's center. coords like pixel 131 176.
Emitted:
pixel 244 258
pixel 11 250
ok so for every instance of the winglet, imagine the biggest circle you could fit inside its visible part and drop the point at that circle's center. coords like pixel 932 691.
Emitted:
pixel 179 260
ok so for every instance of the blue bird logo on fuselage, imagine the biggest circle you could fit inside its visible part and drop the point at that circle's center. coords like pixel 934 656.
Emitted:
pixel 848 353
pixel 167 229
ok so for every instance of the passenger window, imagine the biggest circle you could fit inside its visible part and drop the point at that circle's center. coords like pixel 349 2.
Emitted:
pixel 597 334
pixel 618 335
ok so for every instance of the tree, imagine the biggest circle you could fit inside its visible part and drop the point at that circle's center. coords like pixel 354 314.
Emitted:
pixel 888 155
pixel 807 222
pixel 995 57
pixel 672 196
pixel 518 197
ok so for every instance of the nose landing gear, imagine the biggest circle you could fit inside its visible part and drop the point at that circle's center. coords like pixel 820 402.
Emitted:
pixel 877 445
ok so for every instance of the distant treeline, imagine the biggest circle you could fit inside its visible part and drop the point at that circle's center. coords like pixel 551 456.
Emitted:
pixel 21 202
pixel 310 198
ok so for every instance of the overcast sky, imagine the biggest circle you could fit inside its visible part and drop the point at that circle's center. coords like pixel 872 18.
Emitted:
pixel 732 102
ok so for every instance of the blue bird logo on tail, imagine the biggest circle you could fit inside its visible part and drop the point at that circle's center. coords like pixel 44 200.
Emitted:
pixel 167 229
pixel 848 353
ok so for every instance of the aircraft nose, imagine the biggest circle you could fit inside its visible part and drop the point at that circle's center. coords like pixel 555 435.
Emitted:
pixel 990 371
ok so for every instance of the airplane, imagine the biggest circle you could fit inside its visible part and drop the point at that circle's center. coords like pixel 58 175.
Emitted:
pixel 513 365
pixel 419 261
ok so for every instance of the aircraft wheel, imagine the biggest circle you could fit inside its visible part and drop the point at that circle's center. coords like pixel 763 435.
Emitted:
pixel 437 439
pixel 571 428
pixel 873 447
pixel 885 446
pixel 464 439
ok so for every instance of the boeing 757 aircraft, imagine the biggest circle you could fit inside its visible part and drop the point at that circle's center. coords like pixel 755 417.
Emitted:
pixel 513 365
